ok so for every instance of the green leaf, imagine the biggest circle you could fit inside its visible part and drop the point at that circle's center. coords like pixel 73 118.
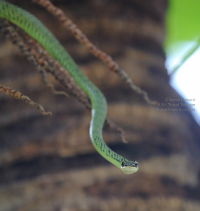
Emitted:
pixel 182 21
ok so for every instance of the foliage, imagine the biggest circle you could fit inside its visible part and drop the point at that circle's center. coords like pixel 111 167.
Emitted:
pixel 182 21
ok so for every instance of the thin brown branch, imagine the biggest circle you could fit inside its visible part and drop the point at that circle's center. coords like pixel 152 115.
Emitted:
pixel 18 95
pixel 105 58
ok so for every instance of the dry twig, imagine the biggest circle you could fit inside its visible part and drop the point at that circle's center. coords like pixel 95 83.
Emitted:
pixel 105 58
pixel 18 95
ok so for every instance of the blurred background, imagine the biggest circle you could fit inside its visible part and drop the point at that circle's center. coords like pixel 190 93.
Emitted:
pixel 49 163
pixel 181 45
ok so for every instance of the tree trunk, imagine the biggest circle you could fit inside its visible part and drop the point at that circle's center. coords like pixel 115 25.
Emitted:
pixel 49 163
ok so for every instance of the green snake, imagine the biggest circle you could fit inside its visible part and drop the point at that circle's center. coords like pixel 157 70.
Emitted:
pixel 33 27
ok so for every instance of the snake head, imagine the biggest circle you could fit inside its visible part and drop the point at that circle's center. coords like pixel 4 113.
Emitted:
pixel 129 167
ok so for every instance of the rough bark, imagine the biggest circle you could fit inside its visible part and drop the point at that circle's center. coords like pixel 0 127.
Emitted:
pixel 49 163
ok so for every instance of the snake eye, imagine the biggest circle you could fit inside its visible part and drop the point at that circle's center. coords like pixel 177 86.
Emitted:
pixel 123 163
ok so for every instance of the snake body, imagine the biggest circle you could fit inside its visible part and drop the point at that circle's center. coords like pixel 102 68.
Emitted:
pixel 33 27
